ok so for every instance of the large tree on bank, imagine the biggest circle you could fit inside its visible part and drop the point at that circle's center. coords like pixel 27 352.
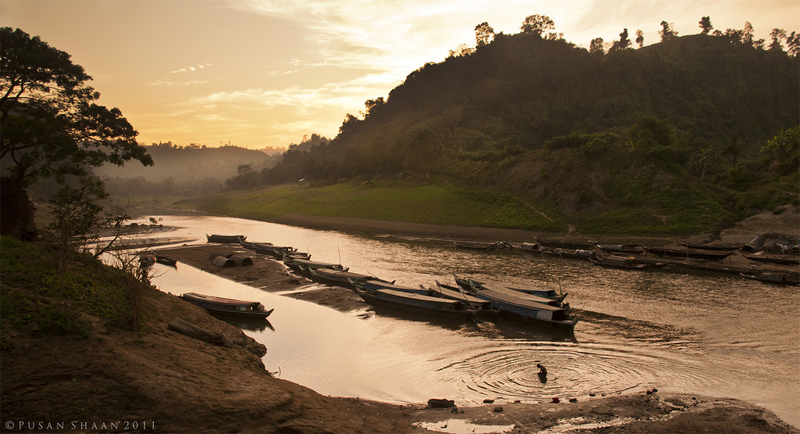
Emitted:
pixel 50 125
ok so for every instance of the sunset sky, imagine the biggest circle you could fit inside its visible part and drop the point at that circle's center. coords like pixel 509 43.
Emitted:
pixel 260 73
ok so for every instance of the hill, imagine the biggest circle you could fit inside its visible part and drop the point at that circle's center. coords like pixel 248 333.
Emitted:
pixel 667 138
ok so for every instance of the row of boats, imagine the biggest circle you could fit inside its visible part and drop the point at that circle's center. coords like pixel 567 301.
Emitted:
pixel 463 300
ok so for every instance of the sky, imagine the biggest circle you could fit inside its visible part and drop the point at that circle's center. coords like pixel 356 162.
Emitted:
pixel 265 73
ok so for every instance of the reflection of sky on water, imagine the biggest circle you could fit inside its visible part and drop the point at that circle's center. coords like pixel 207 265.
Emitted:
pixel 713 335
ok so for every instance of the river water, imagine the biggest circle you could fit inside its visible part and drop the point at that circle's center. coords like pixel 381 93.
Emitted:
pixel 710 335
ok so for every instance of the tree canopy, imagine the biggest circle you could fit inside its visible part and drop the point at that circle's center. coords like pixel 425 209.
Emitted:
pixel 51 125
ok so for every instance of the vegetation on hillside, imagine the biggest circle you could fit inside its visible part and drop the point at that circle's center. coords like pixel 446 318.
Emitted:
pixel 673 137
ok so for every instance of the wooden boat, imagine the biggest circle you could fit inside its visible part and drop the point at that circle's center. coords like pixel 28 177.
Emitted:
pixel 166 261
pixel 503 289
pixel 418 303
pixel 776 278
pixel 619 262
pixel 693 254
pixel 482 246
pixel 713 247
pixel 782 260
pixel 345 279
pixel 572 245
pixel 467 285
pixel 254 246
pixel 527 310
pixel 299 264
pixel 634 249
pixel 147 259
pixel 275 251
pixel 225 238
pixel 228 307
pixel 569 253
pixel 530 247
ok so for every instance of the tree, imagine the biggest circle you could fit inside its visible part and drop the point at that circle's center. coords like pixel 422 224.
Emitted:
pixel 705 24
pixel 747 33
pixel 777 35
pixel 484 34
pixel 623 42
pixel 596 46
pixel 50 125
pixel 793 44
pixel 537 25
pixel 666 32
pixel 640 38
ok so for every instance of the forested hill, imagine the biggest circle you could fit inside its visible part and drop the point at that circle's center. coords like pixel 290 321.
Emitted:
pixel 670 127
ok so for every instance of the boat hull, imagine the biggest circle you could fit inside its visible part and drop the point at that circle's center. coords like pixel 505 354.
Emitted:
pixel 227 307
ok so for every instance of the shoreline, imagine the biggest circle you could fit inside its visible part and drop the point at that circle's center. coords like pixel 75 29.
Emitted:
pixel 634 412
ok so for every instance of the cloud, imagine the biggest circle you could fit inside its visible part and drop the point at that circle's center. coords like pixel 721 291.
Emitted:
pixel 178 83
pixel 191 68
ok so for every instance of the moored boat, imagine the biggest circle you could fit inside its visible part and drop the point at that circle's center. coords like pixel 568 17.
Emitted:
pixel 346 279
pixel 627 263
pixel 782 260
pixel 228 307
pixel 275 251
pixel 693 254
pixel 635 249
pixel 482 246
pixel 528 311
pixel 569 253
pixel 299 264
pixel 166 261
pixel 713 247
pixel 254 245
pixel 417 303
pixel 467 285
pixel 223 239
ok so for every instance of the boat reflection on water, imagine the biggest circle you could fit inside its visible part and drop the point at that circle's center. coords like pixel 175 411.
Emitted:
pixel 478 326
pixel 253 325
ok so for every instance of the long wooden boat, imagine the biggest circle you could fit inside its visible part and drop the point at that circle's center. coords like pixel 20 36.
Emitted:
pixel 275 251
pixel 299 264
pixel 634 249
pixel 528 311
pixel 776 278
pixel 166 261
pixel 228 307
pixel 620 262
pixel 346 279
pixel 713 247
pixel 482 246
pixel 693 254
pixel 417 303
pixel 569 253
pixel 573 245
pixel 225 238
pixel 467 285
pixel 254 246
pixel 782 260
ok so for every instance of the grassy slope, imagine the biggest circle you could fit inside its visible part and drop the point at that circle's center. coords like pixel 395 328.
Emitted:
pixel 433 204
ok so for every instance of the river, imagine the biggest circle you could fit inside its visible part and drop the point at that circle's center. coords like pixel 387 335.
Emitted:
pixel 711 335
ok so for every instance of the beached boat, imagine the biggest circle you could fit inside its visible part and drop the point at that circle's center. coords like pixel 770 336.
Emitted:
pixel 436 307
pixel 527 310
pixel 166 261
pixel 713 247
pixel 633 249
pixel 253 245
pixel 782 260
pixel 569 253
pixel 345 279
pixel 299 264
pixel 225 238
pixel 572 245
pixel 530 247
pixel 147 259
pixel 275 251
pixel 693 254
pixel 774 277
pixel 228 307
pixel 627 263
pixel 482 246
pixel 467 284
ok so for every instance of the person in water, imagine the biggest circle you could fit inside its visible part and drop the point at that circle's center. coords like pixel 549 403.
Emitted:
pixel 542 369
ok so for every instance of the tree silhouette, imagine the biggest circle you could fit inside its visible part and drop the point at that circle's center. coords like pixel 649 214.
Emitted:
pixel 623 42
pixel 537 25
pixel 640 38
pixel 705 24
pixel 51 126
pixel 484 34
pixel 666 32
pixel 596 46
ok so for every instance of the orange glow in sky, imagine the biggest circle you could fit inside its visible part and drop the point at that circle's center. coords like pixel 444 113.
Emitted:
pixel 260 73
